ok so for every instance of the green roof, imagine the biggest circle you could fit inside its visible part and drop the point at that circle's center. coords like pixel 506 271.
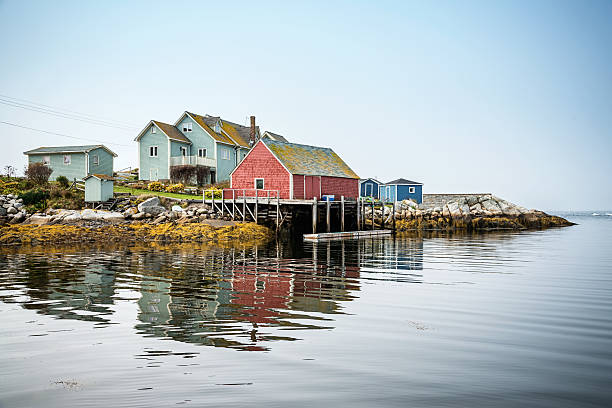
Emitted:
pixel 309 160
pixel 67 149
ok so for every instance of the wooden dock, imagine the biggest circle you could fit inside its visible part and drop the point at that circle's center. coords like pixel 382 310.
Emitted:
pixel 344 235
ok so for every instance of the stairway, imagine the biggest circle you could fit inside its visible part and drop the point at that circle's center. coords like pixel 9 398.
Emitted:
pixel 108 205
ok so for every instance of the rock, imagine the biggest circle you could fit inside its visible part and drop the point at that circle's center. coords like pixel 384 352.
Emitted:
pixel 160 219
pixel 465 209
pixel 472 200
pixel 130 212
pixel 150 202
pixel 154 211
pixel 177 208
pixel 491 206
pixel 12 210
pixel 453 209
pixel 202 217
pixel 17 218
pixel 2 211
pixel 111 216
pixel 139 216
pixel 39 220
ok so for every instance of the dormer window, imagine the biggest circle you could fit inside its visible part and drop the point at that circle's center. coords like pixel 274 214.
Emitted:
pixel 187 127
pixel 217 127
pixel 153 129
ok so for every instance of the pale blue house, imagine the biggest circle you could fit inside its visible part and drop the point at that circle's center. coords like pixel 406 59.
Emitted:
pixel 74 162
pixel 206 142
pixel 402 189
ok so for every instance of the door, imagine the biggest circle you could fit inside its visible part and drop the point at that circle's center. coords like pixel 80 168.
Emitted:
pixel 153 175
pixel 313 187
pixel 368 192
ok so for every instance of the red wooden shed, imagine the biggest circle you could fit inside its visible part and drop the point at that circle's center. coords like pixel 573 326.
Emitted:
pixel 297 171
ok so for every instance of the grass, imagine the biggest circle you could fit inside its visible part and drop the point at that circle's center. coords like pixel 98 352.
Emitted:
pixel 137 191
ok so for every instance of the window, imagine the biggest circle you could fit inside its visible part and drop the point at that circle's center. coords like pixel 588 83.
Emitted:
pixel 368 189
pixel 153 151
pixel 46 160
pixel 388 194
pixel 153 129
pixel 226 154
pixel 187 127
pixel 259 184
pixel 183 151
pixel 201 152
pixel 411 190
pixel 67 159
pixel 95 159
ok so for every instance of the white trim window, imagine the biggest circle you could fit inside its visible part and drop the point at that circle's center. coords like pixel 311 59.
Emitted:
pixel 153 129
pixel 202 152
pixel 46 160
pixel 187 127
pixel 67 159
pixel 152 151
pixel 95 160
pixel 412 190
pixel 183 151
pixel 258 184
pixel 225 155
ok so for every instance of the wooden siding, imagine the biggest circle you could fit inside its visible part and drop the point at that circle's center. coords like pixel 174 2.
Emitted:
pixel 298 187
pixel 225 166
pixel 340 186
pixel 160 162
pixel 75 170
pixel 105 162
pixel 262 164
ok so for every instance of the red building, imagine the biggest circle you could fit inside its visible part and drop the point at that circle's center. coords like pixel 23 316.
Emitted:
pixel 296 171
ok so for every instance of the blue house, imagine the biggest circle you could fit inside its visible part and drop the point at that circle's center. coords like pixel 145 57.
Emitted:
pixel 369 188
pixel 402 189
pixel 74 162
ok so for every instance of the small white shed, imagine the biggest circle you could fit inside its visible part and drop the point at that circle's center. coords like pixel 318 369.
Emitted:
pixel 98 187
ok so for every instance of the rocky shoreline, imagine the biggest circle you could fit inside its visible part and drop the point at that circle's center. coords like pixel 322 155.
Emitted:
pixel 472 213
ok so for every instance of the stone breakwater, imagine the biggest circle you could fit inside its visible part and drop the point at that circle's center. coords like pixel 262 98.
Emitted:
pixel 485 212
pixel 11 209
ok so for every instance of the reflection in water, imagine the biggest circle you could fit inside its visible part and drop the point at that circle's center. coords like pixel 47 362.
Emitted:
pixel 236 298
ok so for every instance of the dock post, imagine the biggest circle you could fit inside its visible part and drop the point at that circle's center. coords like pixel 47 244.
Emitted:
pixel 327 215
pixel 342 213
pixel 222 203
pixel 358 215
pixel 256 205
pixel 243 205
pixel 382 220
pixel 393 215
pixel 277 211
pixel 314 215
pixel 372 215
pixel 233 205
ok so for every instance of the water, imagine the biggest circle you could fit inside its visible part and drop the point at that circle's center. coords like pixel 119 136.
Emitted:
pixel 503 319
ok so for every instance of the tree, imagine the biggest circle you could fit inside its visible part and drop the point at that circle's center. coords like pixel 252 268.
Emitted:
pixel 39 173
pixel 9 171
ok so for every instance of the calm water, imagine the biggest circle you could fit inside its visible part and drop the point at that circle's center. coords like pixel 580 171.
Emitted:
pixel 512 319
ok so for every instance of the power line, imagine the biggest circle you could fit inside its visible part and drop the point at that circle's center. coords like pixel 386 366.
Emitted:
pixel 64 115
pixel 55 109
pixel 61 134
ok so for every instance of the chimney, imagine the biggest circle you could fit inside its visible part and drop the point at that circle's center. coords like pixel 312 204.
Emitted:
pixel 252 134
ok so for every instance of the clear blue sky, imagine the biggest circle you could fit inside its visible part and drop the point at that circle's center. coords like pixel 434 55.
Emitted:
pixel 508 97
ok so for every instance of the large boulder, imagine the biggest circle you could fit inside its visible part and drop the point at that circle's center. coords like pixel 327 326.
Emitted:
pixel 151 206
pixel 19 217
pixel 112 216
pixel 39 220
pixel 12 210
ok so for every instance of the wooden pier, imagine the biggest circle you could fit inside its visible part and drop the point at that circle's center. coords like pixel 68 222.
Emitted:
pixel 327 216
pixel 345 235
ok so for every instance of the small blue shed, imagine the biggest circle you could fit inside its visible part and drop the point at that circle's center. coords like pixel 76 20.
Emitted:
pixel 98 188
pixel 369 188
pixel 402 189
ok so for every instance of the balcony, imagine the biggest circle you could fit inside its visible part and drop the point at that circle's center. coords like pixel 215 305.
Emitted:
pixel 193 160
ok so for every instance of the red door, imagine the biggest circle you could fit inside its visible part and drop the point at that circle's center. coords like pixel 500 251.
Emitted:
pixel 313 187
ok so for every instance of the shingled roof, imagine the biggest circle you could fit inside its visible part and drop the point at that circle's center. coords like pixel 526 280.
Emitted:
pixel 68 149
pixel 275 136
pixel 171 131
pixel 235 134
pixel 309 160
pixel 404 181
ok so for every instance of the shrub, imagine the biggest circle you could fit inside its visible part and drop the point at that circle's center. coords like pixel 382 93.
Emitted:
pixel 12 187
pixel 187 173
pixel 156 186
pixel 175 188
pixel 34 197
pixel 217 193
pixel 63 181
pixel 38 173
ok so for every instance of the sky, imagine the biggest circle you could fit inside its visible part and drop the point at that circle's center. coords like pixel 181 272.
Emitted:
pixel 508 97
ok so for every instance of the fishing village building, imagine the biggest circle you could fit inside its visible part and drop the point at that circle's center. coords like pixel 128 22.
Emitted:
pixel 74 162
pixel 369 188
pixel 402 189
pixel 296 171
pixel 203 143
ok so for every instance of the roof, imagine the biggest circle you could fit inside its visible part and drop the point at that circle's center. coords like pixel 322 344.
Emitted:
pixel 275 136
pixel 99 176
pixel 404 181
pixel 309 160
pixel 68 149
pixel 171 131
pixel 370 178
pixel 230 132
